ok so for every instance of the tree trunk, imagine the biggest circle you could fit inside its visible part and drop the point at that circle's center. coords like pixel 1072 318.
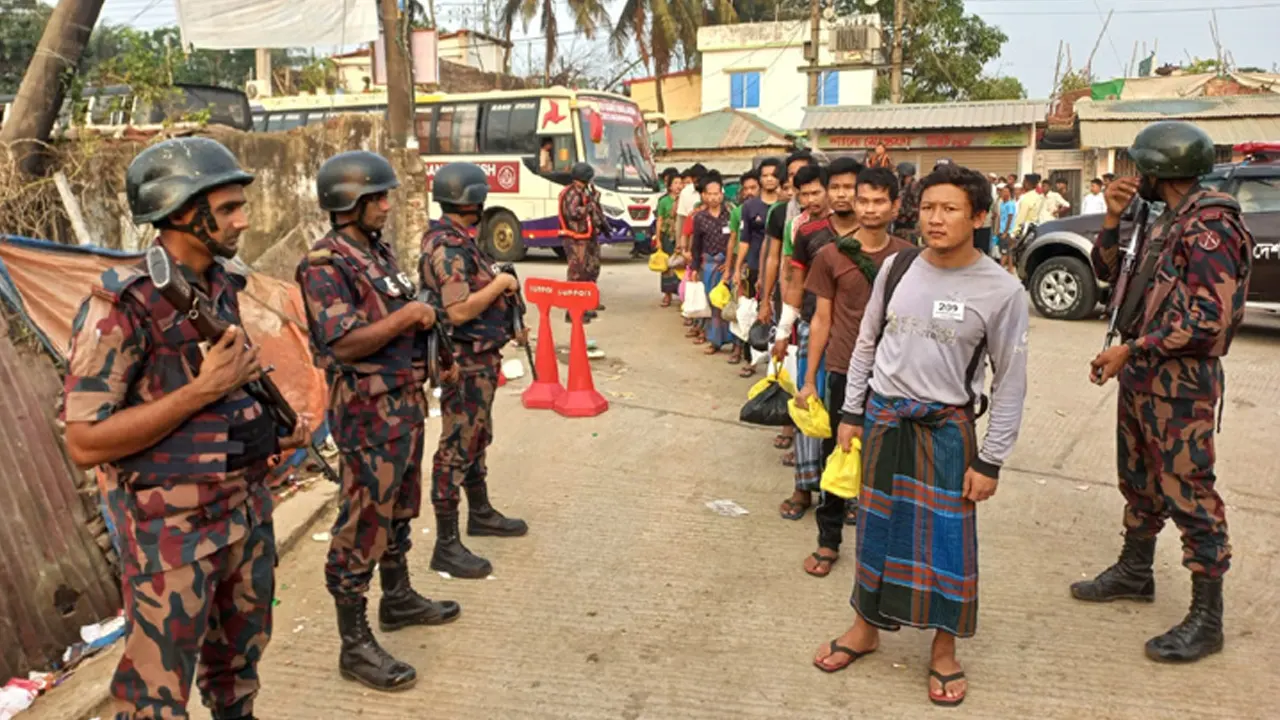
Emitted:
pixel 39 99
pixel 895 72
pixel 398 88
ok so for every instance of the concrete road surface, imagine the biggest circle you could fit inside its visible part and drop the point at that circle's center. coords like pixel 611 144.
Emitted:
pixel 630 599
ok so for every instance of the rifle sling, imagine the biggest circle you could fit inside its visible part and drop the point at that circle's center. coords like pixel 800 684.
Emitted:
pixel 1136 291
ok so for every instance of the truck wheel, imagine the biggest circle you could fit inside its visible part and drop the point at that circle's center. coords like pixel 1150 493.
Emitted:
pixel 502 237
pixel 1063 288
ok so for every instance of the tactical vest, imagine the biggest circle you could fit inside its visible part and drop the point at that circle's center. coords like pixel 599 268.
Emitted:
pixel 230 434
pixel 488 331
pixel 378 289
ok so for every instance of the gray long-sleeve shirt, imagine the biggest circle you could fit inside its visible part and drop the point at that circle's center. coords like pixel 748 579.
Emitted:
pixel 936 320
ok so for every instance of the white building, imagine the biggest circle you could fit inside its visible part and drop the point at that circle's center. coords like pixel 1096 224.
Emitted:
pixel 758 67
pixel 473 49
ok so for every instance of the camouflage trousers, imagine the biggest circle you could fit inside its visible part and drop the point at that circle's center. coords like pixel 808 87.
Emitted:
pixel 381 494
pixel 216 610
pixel 466 408
pixel 584 260
pixel 1165 455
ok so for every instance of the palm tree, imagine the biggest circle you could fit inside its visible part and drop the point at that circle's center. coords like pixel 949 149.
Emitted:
pixel 665 29
pixel 588 17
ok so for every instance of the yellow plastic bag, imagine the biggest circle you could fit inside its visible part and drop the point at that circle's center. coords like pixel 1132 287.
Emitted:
pixel 659 261
pixel 720 296
pixel 813 420
pixel 843 476
pixel 782 377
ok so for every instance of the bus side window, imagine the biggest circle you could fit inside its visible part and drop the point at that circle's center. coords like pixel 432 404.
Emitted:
pixel 442 140
pixel 523 136
pixel 424 122
pixel 497 120
pixel 466 128
pixel 563 153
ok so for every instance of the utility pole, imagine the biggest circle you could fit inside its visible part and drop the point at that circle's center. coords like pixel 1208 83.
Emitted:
pixel 39 99
pixel 399 91
pixel 815 31
pixel 1088 64
pixel 895 71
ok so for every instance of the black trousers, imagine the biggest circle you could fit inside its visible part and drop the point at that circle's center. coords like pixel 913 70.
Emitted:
pixel 832 508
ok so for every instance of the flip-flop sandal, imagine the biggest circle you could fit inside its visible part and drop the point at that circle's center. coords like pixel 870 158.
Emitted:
pixel 945 680
pixel 665 303
pixel 734 360
pixel 783 442
pixel 747 372
pixel 789 460
pixel 792 510
pixel 711 350
pixel 836 647
pixel 823 560
pixel 851 514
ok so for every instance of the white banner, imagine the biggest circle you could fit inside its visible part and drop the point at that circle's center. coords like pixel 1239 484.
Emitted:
pixel 243 24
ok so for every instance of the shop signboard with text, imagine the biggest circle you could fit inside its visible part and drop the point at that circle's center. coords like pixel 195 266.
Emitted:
pixel 924 141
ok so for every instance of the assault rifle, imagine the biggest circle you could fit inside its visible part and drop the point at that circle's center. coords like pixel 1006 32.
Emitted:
pixel 1121 306
pixel 439 350
pixel 200 313
pixel 515 312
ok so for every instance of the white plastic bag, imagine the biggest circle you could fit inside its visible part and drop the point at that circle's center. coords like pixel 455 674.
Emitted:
pixel 746 317
pixel 695 301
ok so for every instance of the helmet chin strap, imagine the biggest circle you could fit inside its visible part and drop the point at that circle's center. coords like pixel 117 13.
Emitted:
pixel 374 234
pixel 202 227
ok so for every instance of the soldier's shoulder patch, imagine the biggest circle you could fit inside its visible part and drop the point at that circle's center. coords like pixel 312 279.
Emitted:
pixel 320 256
pixel 1208 241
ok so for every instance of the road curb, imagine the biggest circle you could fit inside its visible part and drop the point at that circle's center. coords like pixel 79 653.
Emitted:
pixel 86 693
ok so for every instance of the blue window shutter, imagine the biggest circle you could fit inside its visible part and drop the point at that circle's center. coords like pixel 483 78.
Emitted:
pixel 753 90
pixel 736 95
pixel 830 88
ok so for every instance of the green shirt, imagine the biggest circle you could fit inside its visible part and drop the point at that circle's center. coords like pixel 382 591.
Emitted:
pixel 667 211
pixel 735 227
pixel 786 240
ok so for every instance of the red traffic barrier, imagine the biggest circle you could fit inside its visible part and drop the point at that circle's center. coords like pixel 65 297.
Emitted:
pixel 580 399
pixel 543 392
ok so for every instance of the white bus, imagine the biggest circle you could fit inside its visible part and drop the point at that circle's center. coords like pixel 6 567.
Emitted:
pixel 503 132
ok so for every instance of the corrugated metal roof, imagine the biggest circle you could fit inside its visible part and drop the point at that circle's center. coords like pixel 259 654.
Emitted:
pixel 1224 131
pixel 54 576
pixel 726 128
pixel 1188 108
pixel 921 116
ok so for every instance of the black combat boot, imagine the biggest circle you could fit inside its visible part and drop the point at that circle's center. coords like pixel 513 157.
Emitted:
pixel 362 659
pixel 1200 632
pixel 451 555
pixel 1129 579
pixel 402 606
pixel 484 520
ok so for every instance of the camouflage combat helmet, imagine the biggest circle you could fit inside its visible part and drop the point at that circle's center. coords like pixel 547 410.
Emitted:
pixel 460 184
pixel 345 178
pixel 166 176
pixel 582 172
pixel 1172 149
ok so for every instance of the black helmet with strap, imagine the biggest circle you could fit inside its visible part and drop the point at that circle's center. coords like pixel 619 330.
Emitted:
pixel 162 179
pixel 458 185
pixel 1173 150
pixel 346 180
pixel 906 169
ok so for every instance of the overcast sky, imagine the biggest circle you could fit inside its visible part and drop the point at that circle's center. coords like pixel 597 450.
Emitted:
pixel 1247 28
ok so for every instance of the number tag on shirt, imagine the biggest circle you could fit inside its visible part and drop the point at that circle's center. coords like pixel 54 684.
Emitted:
pixel 948 310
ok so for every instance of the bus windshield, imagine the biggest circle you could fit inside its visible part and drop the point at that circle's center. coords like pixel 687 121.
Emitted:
pixel 616 145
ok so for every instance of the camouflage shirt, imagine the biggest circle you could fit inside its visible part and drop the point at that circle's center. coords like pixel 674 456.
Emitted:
pixel 452 267
pixel 177 501
pixel 348 285
pixel 909 208
pixel 1195 300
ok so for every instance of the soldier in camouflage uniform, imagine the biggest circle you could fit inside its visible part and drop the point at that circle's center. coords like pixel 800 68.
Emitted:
pixel 906 226
pixel 364 324
pixel 1184 307
pixel 581 222
pixel 457 273
pixel 183 448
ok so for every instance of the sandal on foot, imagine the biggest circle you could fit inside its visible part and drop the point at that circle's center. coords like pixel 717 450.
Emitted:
pixel 783 442
pixel 789 460
pixel 747 371
pixel 944 680
pixel 734 360
pixel 836 647
pixel 824 561
pixel 792 510
pixel 851 514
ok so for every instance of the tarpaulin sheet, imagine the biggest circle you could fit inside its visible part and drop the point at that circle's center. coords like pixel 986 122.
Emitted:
pixel 46 282
pixel 242 24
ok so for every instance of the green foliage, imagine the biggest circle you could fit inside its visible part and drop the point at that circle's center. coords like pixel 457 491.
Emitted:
pixel 997 88
pixel 1198 66
pixel 1075 80
pixel 21 24
pixel 317 75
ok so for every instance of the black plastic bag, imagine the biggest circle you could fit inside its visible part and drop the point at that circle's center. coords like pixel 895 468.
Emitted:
pixel 760 337
pixel 769 408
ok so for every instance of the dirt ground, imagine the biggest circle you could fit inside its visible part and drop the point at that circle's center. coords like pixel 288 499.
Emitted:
pixel 630 599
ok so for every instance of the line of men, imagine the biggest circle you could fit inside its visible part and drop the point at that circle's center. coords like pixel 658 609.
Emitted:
pixel 185 449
